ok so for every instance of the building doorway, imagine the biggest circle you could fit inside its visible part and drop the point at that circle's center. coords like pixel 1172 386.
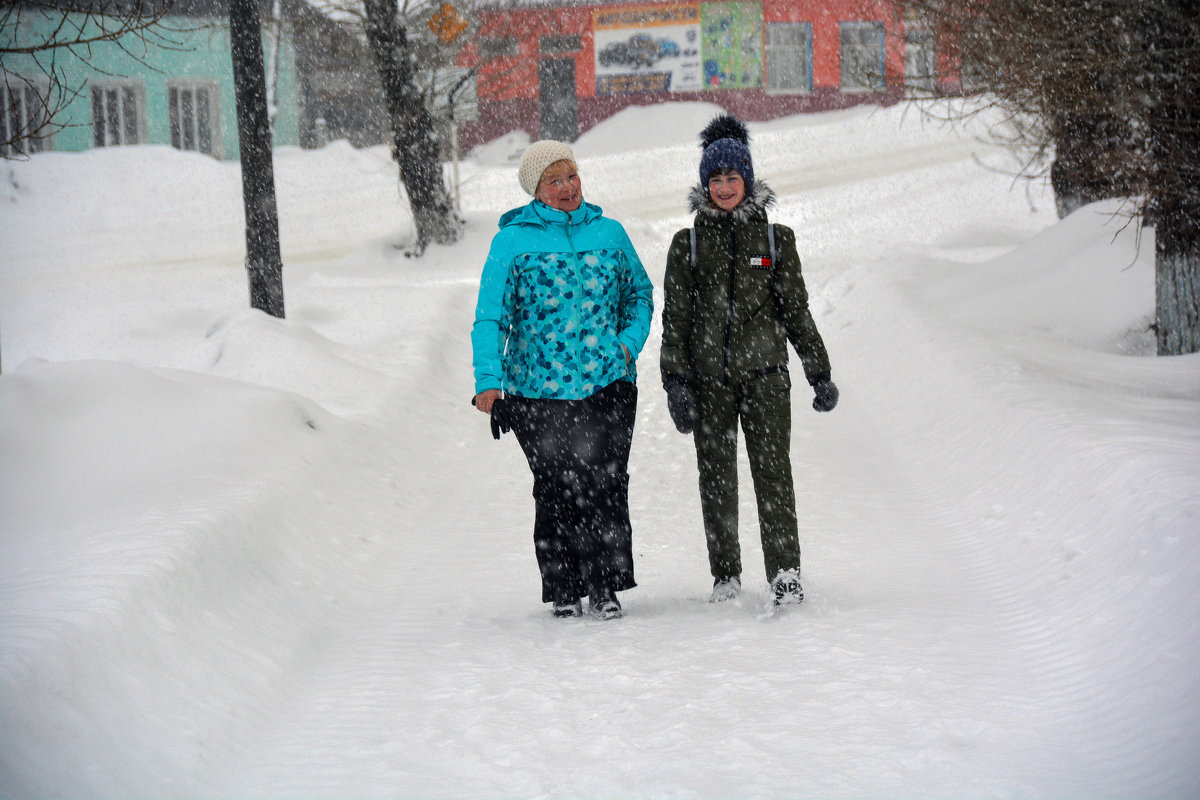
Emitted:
pixel 556 95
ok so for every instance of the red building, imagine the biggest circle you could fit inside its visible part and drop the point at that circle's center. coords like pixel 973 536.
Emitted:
pixel 556 70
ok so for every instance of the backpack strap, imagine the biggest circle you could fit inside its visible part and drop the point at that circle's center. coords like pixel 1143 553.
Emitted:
pixel 692 232
pixel 776 294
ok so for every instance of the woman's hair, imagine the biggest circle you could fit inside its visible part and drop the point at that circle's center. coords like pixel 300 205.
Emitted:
pixel 571 165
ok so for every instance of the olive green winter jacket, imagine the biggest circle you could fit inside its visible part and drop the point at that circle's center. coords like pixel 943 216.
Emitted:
pixel 731 316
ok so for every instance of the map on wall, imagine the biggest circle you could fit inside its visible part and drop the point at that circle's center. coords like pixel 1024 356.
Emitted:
pixel 732 44
pixel 647 49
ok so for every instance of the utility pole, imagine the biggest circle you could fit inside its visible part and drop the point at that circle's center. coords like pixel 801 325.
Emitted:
pixel 263 261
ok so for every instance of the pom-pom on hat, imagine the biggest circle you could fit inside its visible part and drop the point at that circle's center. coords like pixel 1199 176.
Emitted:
pixel 536 158
pixel 726 145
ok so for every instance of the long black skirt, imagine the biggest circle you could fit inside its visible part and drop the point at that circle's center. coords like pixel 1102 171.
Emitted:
pixel 578 451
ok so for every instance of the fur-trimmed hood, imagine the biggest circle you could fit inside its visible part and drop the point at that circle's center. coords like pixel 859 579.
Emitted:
pixel 758 199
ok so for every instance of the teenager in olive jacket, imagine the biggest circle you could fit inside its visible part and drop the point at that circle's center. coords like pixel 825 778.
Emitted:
pixel 729 312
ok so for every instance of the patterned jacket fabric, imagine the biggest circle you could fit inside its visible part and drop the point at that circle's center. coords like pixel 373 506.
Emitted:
pixel 560 293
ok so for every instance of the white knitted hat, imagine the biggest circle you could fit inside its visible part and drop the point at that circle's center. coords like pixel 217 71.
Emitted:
pixel 536 158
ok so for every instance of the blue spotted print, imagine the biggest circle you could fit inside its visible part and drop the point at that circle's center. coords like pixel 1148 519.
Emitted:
pixel 559 296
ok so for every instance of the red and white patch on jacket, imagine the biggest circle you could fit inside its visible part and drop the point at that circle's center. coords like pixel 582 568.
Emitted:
pixel 760 262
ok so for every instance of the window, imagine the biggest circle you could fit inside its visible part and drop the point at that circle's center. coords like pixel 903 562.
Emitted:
pixel 971 72
pixel 22 114
pixel 862 56
pixel 193 114
pixel 559 43
pixel 789 56
pixel 118 113
pixel 497 46
pixel 920 60
pixel 973 69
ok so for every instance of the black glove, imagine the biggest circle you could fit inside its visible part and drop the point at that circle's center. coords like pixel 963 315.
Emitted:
pixel 826 395
pixel 682 405
pixel 501 418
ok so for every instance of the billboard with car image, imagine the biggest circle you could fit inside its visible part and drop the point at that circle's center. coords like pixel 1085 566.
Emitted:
pixel 648 49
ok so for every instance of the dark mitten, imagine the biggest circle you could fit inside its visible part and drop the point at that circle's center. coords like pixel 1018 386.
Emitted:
pixel 501 418
pixel 682 405
pixel 826 395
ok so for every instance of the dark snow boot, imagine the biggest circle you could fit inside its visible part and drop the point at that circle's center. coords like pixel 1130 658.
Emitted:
pixel 725 588
pixel 604 604
pixel 786 588
pixel 566 605
pixel 570 609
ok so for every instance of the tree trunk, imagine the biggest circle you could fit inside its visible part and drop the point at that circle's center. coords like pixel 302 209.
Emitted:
pixel 415 144
pixel 1174 39
pixel 1177 285
pixel 263 261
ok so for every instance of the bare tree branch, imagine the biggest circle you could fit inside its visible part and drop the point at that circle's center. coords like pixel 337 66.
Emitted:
pixel 37 33
pixel 1113 90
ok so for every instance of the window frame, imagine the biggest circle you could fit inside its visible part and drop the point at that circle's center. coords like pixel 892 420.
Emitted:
pixel 176 88
pixel 920 45
pixel 131 92
pixel 554 44
pixel 493 47
pixel 31 93
pixel 771 49
pixel 878 79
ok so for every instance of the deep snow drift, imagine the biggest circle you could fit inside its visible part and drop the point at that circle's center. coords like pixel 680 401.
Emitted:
pixel 248 557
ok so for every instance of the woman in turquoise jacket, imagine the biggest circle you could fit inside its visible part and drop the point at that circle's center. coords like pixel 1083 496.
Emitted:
pixel 564 309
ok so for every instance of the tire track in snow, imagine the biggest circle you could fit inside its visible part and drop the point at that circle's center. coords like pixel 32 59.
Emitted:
pixel 1060 642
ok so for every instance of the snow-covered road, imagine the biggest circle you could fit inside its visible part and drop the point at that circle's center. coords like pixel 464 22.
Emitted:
pixel 316 579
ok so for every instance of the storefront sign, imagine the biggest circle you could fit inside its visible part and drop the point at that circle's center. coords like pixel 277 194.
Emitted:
pixel 733 45
pixel 648 49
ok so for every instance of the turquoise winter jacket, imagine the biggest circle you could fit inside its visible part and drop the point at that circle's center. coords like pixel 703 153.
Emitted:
pixel 560 294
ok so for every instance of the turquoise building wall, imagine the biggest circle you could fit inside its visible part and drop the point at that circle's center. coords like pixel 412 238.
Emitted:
pixel 184 48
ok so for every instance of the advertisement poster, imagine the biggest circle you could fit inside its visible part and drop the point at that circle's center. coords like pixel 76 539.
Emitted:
pixel 648 49
pixel 732 44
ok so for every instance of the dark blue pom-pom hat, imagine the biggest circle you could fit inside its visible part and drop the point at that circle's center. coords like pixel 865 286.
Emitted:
pixel 726 145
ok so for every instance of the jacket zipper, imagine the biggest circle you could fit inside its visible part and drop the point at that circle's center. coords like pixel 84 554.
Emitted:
pixel 729 313
pixel 578 295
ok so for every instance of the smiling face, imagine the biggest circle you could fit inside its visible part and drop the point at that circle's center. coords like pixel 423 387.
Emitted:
pixel 726 189
pixel 560 186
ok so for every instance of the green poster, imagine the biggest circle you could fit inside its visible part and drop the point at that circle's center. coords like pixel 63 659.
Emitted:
pixel 731 45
